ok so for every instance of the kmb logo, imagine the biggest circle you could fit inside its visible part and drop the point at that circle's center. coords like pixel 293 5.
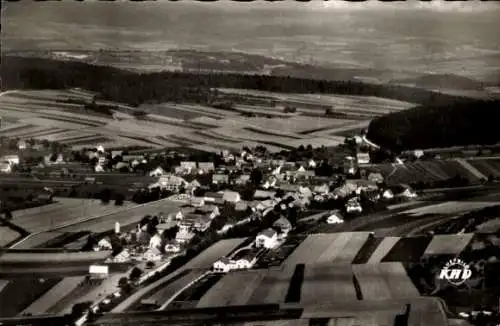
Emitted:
pixel 456 272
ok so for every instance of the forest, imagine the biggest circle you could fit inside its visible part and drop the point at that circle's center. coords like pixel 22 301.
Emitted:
pixel 437 126
pixel 136 88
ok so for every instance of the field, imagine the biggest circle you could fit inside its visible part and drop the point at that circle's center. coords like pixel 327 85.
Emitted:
pixel 168 292
pixel 333 247
pixel 448 244
pixel 382 249
pixel 233 289
pixel 472 169
pixel 59 115
pixel 103 223
pixel 7 235
pixel 384 281
pixel 51 297
pixel 63 211
pixel 327 283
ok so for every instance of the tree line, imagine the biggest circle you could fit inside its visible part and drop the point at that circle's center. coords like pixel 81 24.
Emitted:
pixel 136 88
pixel 436 126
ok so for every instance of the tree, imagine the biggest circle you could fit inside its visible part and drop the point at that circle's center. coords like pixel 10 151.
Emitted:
pixel 135 274
pixel 256 177
pixel 105 195
pixel 119 199
pixel 150 264
pixel 8 215
pixel 248 192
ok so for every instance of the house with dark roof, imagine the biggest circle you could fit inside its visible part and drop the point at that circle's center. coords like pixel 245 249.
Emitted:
pixel 267 239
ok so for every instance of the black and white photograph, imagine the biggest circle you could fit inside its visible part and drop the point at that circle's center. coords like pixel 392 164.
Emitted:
pixel 250 163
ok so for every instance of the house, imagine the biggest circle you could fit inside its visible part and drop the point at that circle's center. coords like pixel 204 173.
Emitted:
pixel 184 235
pixel 387 194
pixel 152 254
pixel 363 158
pixel 116 153
pixel 212 211
pixel 375 177
pixel 155 241
pixel 5 167
pixel 21 144
pixel 305 192
pixel 172 248
pixel 188 166
pixel 231 196
pixel 214 196
pixel 266 239
pixel 241 206
pixel 223 265
pixel 104 244
pixel 283 225
pixel 206 167
pixel 248 260
pixel 220 178
pixel 322 189
pixel 121 165
pixel 171 182
pixel 12 159
pixel 197 201
pixel 353 206
pixel 191 186
pixel 263 194
pixel 200 222
pixel 242 179
pixel 335 218
pixel 403 191
pixel 158 172
pixel 100 149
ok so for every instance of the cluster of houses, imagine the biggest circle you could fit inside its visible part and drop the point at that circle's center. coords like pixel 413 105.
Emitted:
pixel 246 258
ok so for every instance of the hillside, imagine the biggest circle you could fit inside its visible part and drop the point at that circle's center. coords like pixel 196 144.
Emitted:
pixel 136 88
pixel 438 126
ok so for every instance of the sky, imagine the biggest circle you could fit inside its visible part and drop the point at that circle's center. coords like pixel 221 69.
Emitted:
pixel 441 36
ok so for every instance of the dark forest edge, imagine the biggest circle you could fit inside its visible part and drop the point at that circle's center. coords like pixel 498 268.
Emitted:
pixel 438 126
pixel 136 88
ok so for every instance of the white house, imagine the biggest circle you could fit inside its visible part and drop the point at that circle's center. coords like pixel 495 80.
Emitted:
pixel 248 260
pixel 266 239
pixel 184 235
pixel 172 248
pixel 334 218
pixel 375 177
pixel 21 144
pixel 158 172
pixel 223 265
pixel 100 149
pixel 104 244
pixel 387 194
pixel 5 167
pixel 152 254
pixel 231 196
pixel 353 206
pixel 404 191
pixel 12 159
pixel 312 164
pixel 155 241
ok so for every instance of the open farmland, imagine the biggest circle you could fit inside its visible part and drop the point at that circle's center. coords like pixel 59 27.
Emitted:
pixel 170 290
pixel 51 297
pixel 59 115
pixel 63 211
pixel 7 235
pixel 383 249
pixel 327 283
pixel 234 289
pixel 274 286
pixel 448 244
pixel 451 207
pixel 376 281
pixel 103 223
pixel 333 247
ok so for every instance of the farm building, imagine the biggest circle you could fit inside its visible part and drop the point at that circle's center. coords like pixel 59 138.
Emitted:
pixel 335 218
pixel 266 239
pixel 223 265
pixel 158 172
pixel 231 196
pixel 283 225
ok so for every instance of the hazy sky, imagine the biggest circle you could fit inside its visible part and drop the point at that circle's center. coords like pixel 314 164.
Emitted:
pixel 459 37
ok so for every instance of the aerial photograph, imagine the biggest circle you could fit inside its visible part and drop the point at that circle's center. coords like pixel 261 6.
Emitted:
pixel 250 163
